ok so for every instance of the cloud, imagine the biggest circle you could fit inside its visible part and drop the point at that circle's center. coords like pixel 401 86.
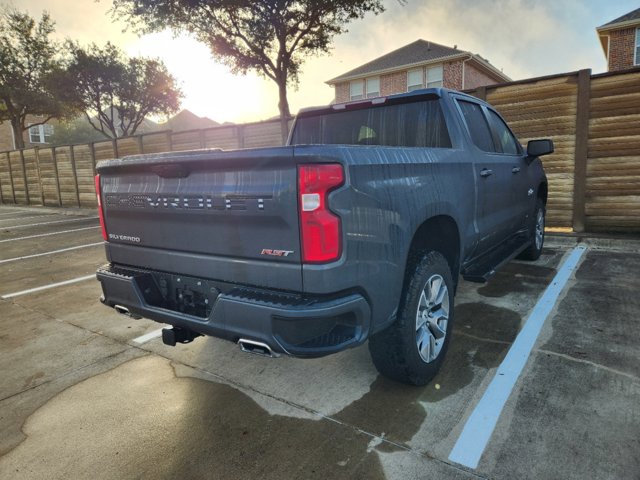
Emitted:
pixel 524 38
pixel 83 20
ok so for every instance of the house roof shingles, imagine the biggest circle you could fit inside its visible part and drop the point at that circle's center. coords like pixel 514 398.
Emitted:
pixel 627 17
pixel 418 51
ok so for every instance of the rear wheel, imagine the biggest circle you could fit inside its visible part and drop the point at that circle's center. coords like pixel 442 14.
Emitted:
pixel 412 349
pixel 537 241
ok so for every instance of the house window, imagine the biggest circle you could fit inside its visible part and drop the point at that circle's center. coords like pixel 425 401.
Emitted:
pixel 637 59
pixel 368 88
pixel 356 90
pixel 373 87
pixel 414 79
pixel 40 133
pixel 434 76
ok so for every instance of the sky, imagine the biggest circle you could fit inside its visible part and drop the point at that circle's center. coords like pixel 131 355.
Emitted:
pixel 523 38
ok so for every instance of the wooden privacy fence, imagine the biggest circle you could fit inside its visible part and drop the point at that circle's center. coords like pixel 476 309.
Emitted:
pixel 594 174
pixel 594 121
pixel 63 176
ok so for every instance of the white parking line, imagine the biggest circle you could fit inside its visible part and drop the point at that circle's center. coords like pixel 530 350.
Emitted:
pixel 47 287
pixel 482 421
pixel 147 336
pixel 13 211
pixel 4 214
pixel 13 227
pixel 47 234
pixel 25 218
pixel 52 252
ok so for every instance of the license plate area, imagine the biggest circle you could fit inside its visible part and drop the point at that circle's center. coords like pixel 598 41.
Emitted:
pixel 179 293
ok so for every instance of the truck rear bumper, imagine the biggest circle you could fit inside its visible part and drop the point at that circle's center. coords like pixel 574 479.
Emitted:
pixel 302 326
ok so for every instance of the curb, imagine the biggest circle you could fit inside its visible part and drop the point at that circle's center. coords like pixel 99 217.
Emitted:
pixel 610 243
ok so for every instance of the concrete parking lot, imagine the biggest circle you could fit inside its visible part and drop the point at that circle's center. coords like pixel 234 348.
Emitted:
pixel 85 392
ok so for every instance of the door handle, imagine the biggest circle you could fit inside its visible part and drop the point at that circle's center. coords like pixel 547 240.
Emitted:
pixel 515 169
pixel 485 172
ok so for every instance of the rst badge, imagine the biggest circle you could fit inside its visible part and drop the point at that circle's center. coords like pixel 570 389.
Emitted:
pixel 276 253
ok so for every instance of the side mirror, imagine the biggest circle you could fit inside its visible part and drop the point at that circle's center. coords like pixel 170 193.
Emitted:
pixel 537 148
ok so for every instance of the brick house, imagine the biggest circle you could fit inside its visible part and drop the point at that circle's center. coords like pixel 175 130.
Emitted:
pixel 417 65
pixel 37 136
pixel 620 39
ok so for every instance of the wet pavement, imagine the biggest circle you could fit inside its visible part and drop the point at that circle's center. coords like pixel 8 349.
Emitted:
pixel 80 397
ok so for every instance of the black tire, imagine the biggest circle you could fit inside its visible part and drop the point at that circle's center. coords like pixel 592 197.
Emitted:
pixel 537 233
pixel 395 351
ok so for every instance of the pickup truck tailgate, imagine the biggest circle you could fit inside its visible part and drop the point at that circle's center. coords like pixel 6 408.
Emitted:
pixel 221 214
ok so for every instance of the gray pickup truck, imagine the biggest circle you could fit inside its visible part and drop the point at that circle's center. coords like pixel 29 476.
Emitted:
pixel 358 229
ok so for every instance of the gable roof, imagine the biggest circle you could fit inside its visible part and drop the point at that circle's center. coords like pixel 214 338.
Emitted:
pixel 628 18
pixel 187 120
pixel 416 53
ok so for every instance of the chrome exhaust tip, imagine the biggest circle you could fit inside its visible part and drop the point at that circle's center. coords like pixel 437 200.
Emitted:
pixel 121 310
pixel 257 348
pixel 125 311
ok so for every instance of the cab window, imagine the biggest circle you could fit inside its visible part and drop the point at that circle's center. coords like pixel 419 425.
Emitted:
pixel 504 138
pixel 477 125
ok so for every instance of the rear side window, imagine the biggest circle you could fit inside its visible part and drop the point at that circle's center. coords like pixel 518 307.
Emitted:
pixel 506 141
pixel 416 124
pixel 477 125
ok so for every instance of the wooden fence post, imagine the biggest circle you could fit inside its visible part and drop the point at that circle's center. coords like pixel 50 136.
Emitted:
pixel 1 194
pixel 24 177
pixel 55 169
pixel 481 93
pixel 140 145
pixel 170 140
pixel 114 142
pixel 13 187
pixel 92 151
pixel 240 135
pixel 36 151
pixel 581 150
pixel 72 158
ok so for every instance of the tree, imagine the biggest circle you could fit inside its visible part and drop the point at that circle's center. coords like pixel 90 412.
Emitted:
pixel 72 132
pixel 28 61
pixel 271 37
pixel 117 93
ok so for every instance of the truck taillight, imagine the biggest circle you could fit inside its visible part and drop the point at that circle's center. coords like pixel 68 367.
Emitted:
pixel 320 229
pixel 100 212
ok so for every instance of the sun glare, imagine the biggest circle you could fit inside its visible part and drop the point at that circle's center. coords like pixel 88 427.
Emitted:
pixel 210 89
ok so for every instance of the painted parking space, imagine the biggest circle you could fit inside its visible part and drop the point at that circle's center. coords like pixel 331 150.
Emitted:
pixel 79 389
pixel 8 235
pixel 85 311
pixel 18 218
pixel 38 222
pixel 46 243
pixel 13 213
pixel 41 271
pixel 49 252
